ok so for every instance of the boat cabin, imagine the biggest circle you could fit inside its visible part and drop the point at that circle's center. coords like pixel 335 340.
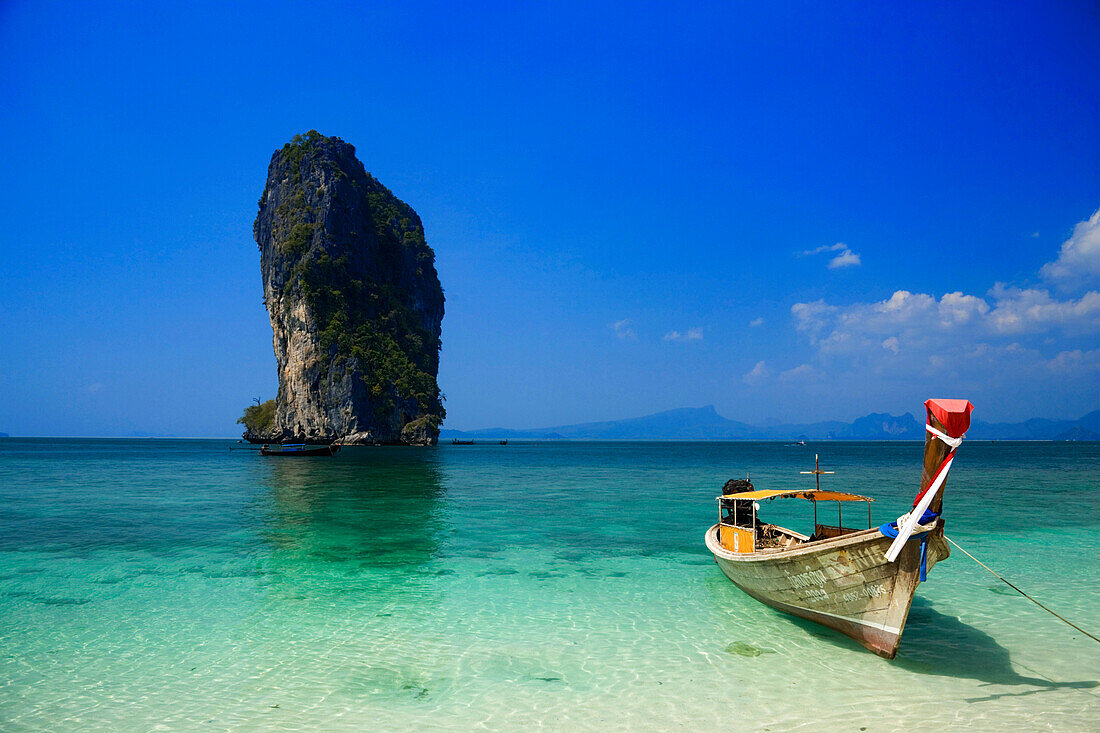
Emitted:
pixel 739 529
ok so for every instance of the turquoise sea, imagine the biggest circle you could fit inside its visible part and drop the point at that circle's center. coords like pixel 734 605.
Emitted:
pixel 194 585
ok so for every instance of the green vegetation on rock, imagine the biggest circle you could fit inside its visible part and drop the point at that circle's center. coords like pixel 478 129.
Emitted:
pixel 361 319
pixel 367 321
pixel 259 417
pixel 338 241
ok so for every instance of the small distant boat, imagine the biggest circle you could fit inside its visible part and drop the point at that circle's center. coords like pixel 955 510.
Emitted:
pixel 504 442
pixel 859 582
pixel 456 441
pixel 299 450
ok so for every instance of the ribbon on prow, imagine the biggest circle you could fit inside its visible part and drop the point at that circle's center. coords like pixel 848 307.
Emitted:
pixel 947 421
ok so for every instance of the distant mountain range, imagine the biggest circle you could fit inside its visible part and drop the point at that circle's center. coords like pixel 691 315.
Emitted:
pixel 704 423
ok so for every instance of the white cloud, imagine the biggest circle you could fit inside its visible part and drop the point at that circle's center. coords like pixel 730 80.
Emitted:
pixel 801 372
pixel 838 247
pixel 757 374
pixel 845 258
pixel 920 319
pixel 1068 362
pixel 1011 343
pixel 1033 311
pixel 692 334
pixel 623 330
pixel 756 322
pixel 1078 261
pixel 1022 349
pixel 813 317
pixel 956 309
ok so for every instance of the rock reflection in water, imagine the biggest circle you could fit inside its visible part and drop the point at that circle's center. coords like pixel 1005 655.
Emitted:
pixel 367 520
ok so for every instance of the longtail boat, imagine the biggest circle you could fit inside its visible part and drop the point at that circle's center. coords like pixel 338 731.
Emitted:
pixel 299 450
pixel 858 582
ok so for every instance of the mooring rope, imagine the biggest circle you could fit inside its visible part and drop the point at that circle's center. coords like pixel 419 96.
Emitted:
pixel 1025 595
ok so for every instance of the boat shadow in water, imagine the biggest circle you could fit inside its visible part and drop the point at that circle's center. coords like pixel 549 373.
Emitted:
pixel 942 645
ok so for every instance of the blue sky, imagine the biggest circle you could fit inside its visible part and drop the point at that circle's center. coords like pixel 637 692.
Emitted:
pixel 791 211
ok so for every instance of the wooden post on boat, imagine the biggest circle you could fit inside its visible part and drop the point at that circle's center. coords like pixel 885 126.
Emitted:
pixel 818 473
pixel 948 420
pixel 951 418
pixel 935 450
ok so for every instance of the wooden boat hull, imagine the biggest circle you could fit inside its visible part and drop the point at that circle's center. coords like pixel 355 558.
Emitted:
pixel 844 583
pixel 319 450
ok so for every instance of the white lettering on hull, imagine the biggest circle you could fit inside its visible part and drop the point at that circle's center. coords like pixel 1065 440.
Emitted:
pixel 867 591
pixel 816 594
pixel 806 579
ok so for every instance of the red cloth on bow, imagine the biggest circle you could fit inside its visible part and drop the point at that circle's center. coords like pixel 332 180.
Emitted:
pixel 953 414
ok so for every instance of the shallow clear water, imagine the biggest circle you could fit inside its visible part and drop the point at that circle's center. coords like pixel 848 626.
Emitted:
pixel 185 584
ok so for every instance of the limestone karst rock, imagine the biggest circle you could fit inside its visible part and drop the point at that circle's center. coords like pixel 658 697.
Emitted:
pixel 354 299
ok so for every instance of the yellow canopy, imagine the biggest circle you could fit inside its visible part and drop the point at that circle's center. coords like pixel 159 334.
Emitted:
pixel 812 494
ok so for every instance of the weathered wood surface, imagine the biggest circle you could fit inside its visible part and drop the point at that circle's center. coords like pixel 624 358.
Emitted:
pixel 844 583
pixel 935 450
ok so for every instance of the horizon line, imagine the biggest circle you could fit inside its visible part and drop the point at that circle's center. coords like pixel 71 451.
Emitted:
pixel 808 441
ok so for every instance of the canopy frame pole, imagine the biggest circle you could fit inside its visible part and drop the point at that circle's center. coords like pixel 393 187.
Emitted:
pixel 817 472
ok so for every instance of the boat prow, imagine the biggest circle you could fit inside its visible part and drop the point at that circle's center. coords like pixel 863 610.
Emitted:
pixel 859 582
pixel 844 583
